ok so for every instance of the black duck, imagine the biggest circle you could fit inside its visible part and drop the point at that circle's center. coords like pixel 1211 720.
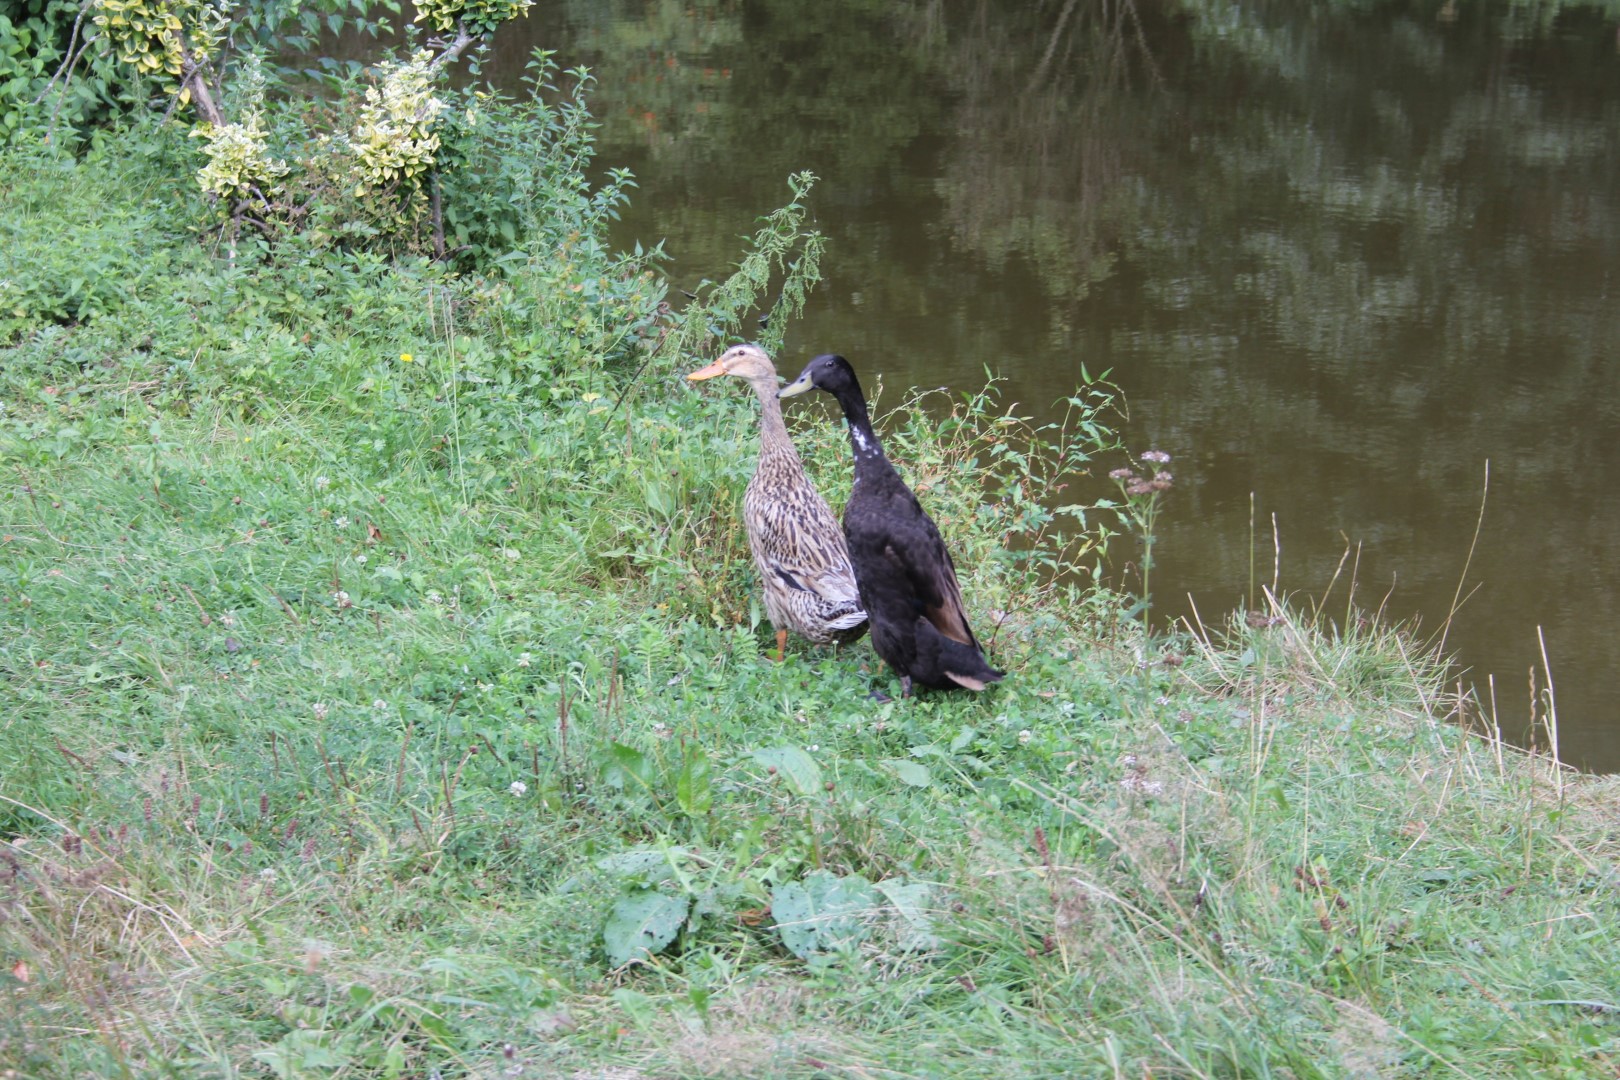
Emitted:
pixel 907 582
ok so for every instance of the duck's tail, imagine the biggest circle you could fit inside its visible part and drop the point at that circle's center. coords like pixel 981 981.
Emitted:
pixel 848 621
pixel 963 664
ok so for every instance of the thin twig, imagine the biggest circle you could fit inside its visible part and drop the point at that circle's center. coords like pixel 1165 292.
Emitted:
pixel 1456 597
pixel 399 770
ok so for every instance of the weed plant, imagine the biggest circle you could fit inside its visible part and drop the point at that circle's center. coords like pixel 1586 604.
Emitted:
pixel 384 696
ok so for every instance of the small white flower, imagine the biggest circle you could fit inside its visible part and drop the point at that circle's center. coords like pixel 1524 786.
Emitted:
pixel 483 688
pixel 361 559
pixel 659 727
pixel 814 747
pixel 434 597
pixel 322 483
pixel 513 554
pixel 523 659
pixel 379 704
pixel 227 620
pixel 342 599
pixel 341 521
pixel 268 873
pixel 1025 736
pixel 518 789
pixel 320 709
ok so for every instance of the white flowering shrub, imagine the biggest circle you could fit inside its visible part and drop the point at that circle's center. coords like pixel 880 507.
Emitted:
pixel 239 163
pixel 354 172
pixel 394 141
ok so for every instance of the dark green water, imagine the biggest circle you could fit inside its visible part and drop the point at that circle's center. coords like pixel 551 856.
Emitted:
pixel 1338 256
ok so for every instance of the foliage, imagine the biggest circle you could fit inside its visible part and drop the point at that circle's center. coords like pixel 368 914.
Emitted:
pixel 36 37
pixel 185 47
pixel 367 167
pixel 474 178
pixel 514 174
pixel 478 16
pixel 60 264
pixel 162 38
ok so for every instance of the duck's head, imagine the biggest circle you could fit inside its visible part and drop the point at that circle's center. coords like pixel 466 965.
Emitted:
pixel 829 372
pixel 745 361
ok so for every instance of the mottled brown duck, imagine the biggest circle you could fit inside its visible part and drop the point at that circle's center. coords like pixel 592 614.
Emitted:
pixel 798 546
pixel 907 581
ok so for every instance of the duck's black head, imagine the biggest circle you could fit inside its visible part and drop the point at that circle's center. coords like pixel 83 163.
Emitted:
pixel 829 372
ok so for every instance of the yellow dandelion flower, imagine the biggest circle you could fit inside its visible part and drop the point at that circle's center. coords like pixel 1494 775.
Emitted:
pixel 406 358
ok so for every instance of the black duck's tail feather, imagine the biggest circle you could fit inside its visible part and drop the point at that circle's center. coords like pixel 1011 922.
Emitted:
pixel 944 662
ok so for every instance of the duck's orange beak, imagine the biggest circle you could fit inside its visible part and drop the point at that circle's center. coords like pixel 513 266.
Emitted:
pixel 709 372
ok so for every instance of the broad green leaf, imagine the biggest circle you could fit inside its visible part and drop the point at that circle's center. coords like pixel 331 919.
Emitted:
pixel 647 865
pixel 642 924
pixel 910 900
pixel 628 763
pixel 914 773
pixel 794 766
pixel 693 792
pixel 823 913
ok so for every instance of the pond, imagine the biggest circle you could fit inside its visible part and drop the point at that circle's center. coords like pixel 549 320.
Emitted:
pixel 1344 260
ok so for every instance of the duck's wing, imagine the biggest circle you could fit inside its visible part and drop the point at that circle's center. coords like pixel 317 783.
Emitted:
pixel 797 543
pixel 916 548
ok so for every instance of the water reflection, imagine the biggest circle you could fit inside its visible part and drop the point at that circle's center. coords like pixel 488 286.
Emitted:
pixel 1337 257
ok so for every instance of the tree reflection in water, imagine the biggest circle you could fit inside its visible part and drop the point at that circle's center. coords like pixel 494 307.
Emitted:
pixel 1337 256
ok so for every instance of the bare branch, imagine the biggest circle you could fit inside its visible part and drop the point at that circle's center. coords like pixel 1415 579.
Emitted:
pixel 437 205
pixel 72 57
pixel 202 95
pixel 455 48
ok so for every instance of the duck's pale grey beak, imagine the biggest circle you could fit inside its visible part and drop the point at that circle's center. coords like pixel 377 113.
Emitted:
pixel 797 386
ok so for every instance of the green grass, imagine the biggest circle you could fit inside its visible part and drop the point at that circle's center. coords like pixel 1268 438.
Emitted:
pixel 347 699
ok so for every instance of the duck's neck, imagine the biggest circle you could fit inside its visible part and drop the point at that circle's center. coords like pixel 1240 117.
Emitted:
pixel 869 456
pixel 773 435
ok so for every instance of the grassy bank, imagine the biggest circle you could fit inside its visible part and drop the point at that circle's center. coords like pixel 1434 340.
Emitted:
pixel 382 666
